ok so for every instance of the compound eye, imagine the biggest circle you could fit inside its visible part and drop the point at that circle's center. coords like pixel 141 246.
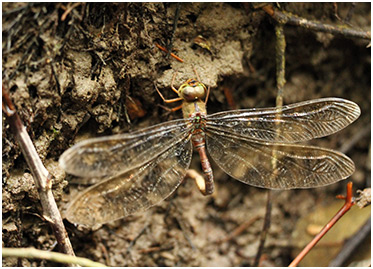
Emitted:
pixel 190 93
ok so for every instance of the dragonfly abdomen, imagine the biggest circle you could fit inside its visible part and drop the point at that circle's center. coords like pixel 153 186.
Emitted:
pixel 198 140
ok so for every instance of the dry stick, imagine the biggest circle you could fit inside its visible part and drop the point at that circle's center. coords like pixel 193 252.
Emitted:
pixel 155 249
pixel 280 63
pixel 229 97
pixel 350 12
pixel 349 202
pixel 355 139
pixel 32 253
pixel 133 242
pixel 335 7
pixel 184 229
pixel 347 19
pixel 351 245
pixel 29 51
pixel 280 81
pixel 42 178
pixel 165 50
pixel 240 229
pixel 68 10
pixel 286 17
pixel 176 18
pixel 266 225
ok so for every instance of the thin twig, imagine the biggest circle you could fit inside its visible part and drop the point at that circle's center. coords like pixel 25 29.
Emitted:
pixel 362 132
pixel 229 97
pixel 54 73
pixel 156 249
pixel 176 18
pixel 165 50
pixel 280 83
pixel 29 51
pixel 335 7
pixel 18 44
pixel 265 229
pixel 351 245
pixel 149 250
pixel 350 12
pixel 240 229
pixel 133 242
pixel 42 178
pixel 349 202
pixel 185 231
pixel 18 9
pixel 288 18
pixel 32 253
pixel 280 63
pixel 68 10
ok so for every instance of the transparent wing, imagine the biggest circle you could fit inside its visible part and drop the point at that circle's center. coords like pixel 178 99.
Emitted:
pixel 111 155
pixel 135 190
pixel 292 123
pixel 276 165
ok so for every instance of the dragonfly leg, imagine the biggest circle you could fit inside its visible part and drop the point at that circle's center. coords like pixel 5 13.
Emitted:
pixel 172 84
pixel 195 72
pixel 167 100
pixel 207 95
pixel 171 109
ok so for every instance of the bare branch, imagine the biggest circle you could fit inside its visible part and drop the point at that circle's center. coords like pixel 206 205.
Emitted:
pixel 349 202
pixel 288 18
pixel 42 178
pixel 32 253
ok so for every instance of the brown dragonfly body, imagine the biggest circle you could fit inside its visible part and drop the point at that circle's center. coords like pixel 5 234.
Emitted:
pixel 137 170
pixel 194 108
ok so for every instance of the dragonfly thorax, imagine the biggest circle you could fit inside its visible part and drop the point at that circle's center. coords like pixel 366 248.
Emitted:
pixel 192 90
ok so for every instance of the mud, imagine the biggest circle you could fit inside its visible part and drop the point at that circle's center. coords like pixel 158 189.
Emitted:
pixel 94 74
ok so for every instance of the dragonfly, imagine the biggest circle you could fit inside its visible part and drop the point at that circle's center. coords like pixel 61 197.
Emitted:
pixel 137 170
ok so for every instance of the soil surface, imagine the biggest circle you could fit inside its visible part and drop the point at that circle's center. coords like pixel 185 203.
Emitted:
pixel 76 71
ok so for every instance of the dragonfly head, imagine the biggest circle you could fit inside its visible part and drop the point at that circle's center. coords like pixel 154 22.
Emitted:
pixel 192 90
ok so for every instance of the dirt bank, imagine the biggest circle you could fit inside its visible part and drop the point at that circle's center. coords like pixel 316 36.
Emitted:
pixel 93 73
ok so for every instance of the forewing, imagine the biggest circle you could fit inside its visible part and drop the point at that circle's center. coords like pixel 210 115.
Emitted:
pixel 276 165
pixel 292 123
pixel 133 191
pixel 112 155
